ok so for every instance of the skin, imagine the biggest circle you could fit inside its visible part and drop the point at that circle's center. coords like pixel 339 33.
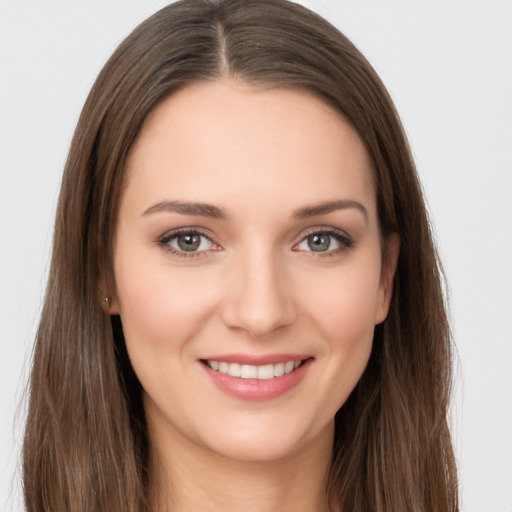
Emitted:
pixel 254 286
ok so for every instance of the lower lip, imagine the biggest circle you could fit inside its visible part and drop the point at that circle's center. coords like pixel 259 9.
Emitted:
pixel 258 389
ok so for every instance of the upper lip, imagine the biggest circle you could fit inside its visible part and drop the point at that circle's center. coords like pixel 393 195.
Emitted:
pixel 256 360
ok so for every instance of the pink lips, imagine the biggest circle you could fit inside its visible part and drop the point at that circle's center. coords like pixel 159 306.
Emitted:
pixel 257 389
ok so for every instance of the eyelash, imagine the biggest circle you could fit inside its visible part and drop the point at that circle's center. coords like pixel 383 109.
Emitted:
pixel 345 242
pixel 165 240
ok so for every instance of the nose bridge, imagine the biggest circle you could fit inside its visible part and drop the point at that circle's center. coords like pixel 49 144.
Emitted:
pixel 258 299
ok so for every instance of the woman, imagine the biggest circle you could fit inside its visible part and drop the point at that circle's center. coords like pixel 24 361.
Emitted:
pixel 233 317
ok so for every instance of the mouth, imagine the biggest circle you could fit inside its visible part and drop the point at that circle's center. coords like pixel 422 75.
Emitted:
pixel 249 371
pixel 261 380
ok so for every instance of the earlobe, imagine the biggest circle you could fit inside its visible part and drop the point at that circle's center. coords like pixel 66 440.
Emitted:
pixel 389 264
pixel 108 301
pixel 110 305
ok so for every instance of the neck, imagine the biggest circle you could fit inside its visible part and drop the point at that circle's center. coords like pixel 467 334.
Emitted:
pixel 185 477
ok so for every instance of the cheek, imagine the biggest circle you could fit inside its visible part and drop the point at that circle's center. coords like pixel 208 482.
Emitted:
pixel 343 303
pixel 348 326
pixel 343 313
pixel 160 307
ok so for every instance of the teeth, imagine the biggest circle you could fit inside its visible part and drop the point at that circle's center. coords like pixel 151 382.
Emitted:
pixel 235 370
pixel 266 372
pixel 279 369
pixel 247 371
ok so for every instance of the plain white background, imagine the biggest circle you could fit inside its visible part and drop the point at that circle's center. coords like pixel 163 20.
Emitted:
pixel 448 65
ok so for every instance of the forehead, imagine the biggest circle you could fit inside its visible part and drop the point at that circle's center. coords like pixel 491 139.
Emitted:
pixel 213 141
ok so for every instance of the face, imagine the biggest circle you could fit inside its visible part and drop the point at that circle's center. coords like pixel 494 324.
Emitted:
pixel 248 267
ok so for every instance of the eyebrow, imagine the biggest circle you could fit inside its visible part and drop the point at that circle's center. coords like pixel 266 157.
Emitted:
pixel 201 209
pixel 214 212
pixel 329 207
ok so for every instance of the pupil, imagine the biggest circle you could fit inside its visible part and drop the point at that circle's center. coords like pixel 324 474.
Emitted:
pixel 189 242
pixel 319 243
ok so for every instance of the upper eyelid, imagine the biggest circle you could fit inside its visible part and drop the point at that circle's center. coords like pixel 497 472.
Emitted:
pixel 323 229
pixel 178 231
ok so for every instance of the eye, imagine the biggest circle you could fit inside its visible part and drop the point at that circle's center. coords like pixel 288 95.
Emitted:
pixel 324 242
pixel 187 243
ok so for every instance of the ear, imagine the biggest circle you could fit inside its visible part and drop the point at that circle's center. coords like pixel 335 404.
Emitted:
pixel 387 274
pixel 108 299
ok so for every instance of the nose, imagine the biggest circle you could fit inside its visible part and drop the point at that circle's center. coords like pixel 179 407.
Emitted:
pixel 258 296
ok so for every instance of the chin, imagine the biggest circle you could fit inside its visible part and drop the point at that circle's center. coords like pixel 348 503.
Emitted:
pixel 267 442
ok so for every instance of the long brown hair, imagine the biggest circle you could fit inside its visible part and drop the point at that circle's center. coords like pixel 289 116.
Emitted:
pixel 86 445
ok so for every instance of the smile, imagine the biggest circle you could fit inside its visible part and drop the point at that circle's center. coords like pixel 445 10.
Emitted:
pixel 247 371
pixel 257 378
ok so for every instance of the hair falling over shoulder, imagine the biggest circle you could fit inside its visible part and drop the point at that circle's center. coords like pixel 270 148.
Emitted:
pixel 86 444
